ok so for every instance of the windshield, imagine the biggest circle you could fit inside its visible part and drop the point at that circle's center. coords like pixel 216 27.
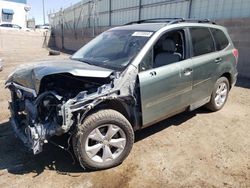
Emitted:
pixel 113 49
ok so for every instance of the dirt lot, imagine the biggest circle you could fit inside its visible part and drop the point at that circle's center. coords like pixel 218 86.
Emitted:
pixel 193 149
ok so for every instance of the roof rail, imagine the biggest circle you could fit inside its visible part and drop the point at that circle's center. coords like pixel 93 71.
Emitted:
pixel 192 20
pixel 170 21
pixel 153 20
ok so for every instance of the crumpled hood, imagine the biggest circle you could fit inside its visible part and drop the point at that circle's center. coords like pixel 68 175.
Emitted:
pixel 30 76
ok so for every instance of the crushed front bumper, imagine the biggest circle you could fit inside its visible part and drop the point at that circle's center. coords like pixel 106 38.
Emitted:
pixel 25 119
pixel 33 136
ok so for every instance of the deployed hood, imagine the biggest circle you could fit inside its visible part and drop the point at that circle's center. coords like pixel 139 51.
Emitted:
pixel 30 76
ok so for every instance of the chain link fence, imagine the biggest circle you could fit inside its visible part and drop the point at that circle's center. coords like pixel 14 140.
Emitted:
pixel 86 19
pixel 74 26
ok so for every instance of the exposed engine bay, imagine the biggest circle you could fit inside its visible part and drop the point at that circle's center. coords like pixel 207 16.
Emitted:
pixel 62 102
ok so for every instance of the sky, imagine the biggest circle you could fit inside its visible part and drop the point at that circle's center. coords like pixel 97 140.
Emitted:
pixel 50 5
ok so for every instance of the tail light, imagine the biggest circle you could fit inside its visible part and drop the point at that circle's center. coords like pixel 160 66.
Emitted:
pixel 236 55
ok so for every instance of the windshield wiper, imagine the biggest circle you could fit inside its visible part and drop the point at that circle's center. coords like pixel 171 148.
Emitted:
pixel 99 64
pixel 83 60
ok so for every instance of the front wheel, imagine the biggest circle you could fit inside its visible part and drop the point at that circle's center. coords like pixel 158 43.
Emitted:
pixel 103 140
pixel 219 95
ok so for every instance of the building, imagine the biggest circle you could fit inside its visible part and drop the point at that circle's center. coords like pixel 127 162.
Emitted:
pixel 14 11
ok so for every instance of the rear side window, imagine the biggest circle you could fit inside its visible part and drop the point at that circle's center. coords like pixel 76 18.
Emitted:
pixel 202 41
pixel 220 39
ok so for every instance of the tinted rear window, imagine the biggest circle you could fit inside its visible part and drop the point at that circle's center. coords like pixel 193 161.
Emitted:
pixel 220 39
pixel 202 41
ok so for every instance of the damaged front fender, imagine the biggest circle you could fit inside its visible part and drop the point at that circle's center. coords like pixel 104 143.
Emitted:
pixel 50 114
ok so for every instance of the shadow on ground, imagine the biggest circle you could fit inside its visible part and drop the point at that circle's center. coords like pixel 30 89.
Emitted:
pixel 16 160
pixel 243 82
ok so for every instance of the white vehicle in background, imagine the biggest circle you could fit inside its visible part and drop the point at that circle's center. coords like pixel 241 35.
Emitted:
pixel 12 26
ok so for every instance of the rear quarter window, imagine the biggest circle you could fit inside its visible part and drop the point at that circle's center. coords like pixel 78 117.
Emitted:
pixel 220 38
pixel 202 41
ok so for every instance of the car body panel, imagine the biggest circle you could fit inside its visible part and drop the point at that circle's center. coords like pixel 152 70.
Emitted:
pixel 164 90
pixel 227 65
pixel 207 70
pixel 204 69
pixel 31 76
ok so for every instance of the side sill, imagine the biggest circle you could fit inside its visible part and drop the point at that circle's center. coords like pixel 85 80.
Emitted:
pixel 199 104
pixel 165 117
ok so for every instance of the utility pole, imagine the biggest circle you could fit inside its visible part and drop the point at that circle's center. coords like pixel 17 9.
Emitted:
pixel 190 8
pixel 139 16
pixel 43 13
pixel 94 14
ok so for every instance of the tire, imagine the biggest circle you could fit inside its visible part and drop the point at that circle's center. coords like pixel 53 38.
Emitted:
pixel 87 137
pixel 54 52
pixel 215 104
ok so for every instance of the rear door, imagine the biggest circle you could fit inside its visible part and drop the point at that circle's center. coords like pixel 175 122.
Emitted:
pixel 205 61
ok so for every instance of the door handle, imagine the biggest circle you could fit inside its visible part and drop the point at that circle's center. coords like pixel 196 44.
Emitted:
pixel 153 73
pixel 218 60
pixel 187 71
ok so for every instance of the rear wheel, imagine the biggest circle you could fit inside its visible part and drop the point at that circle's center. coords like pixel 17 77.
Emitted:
pixel 219 95
pixel 103 140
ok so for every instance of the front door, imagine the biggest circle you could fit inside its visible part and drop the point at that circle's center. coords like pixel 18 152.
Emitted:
pixel 165 89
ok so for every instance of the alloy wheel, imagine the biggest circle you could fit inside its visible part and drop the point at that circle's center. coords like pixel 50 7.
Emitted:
pixel 105 143
pixel 221 94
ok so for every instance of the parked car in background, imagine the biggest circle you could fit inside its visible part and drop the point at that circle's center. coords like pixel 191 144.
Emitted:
pixel 45 26
pixel 126 79
pixel 10 25
pixel 13 27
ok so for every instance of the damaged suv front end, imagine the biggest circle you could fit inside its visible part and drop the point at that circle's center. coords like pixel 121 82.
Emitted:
pixel 52 98
pixel 44 105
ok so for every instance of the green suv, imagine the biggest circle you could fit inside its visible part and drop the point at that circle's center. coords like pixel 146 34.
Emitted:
pixel 125 79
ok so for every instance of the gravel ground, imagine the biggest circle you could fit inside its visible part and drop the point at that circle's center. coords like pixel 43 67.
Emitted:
pixel 193 149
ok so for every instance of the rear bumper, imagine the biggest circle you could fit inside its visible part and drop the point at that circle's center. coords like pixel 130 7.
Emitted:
pixel 234 79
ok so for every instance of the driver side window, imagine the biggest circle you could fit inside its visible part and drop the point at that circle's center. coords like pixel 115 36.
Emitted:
pixel 147 62
pixel 170 48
